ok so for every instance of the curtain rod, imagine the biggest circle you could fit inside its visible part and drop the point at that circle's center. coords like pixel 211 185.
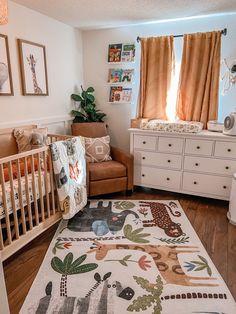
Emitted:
pixel 223 32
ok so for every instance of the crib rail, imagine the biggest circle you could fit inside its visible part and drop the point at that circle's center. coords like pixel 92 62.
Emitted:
pixel 28 201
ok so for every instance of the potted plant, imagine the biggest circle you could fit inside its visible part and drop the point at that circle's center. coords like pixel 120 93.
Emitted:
pixel 86 115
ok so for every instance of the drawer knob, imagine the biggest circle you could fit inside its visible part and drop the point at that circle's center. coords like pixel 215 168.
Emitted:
pixel 144 158
pixel 196 164
pixel 224 187
pixel 195 182
pixel 143 175
pixel 169 160
pixel 229 150
pixel 168 179
pixel 169 145
pixel 227 167
pixel 198 147
pixel 144 142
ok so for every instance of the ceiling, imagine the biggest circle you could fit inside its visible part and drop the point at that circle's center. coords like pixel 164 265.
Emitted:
pixel 92 14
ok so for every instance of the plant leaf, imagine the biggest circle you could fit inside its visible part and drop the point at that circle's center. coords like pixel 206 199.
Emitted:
pixel 90 90
pixel 200 268
pixel 127 230
pixel 209 271
pixel 136 231
pixel 67 262
pixel 79 261
pixel 127 257
pixel 76 97
pixel 123 262
pixel 203 259
pixel 141 303
pixel 144 283
pixel 83 268
pixel 58 265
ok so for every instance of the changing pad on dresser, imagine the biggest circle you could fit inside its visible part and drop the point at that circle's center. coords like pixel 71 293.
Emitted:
pixel 175 127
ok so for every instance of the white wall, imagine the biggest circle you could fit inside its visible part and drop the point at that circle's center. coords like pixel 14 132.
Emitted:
pixel 64 66
pixel 95 46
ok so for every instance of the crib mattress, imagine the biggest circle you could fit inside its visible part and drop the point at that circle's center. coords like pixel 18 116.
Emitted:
pixel 16 192
pixel 174 127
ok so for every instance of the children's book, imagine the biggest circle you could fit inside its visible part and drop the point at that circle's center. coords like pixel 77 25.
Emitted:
pixel 127 75
pixel 114 53
pixel 127 95
pixel 128 53
pixel 116 94
pixel 114 75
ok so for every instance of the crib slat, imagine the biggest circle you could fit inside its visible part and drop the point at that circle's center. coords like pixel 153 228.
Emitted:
pixel 52 183
pixel 1 238
pixel 20 196
pixel 27 194
pixel 40 186
pixel 4 198
pixel 46 183
pixel 13 202
pixel 34 191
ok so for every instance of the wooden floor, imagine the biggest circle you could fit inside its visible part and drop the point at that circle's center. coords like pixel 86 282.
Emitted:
pixel 207 216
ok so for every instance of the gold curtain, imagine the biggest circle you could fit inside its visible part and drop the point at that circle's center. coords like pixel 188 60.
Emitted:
pixel 157 60
pixel 198 90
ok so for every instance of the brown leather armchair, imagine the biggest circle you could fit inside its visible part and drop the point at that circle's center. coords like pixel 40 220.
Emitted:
pixel 108 176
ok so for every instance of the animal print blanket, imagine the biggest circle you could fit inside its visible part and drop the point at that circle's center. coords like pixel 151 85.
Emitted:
pixel 69 167
pixel 118 257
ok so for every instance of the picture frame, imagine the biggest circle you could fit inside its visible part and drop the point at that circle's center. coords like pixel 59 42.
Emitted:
pixel 33 67
pixel 6 85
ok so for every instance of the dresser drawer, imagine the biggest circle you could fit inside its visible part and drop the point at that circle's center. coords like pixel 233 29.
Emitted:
pixel 158 159
pixel 207 184
pixel 148 176
pixel 210 165
pixel 225 149
pixel 199 147
pixel 170 144
pixel 145 142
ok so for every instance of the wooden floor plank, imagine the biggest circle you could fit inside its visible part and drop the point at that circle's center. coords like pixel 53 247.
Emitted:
pixel 207 216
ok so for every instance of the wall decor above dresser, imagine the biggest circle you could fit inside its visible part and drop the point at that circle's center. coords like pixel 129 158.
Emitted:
pixel 198 164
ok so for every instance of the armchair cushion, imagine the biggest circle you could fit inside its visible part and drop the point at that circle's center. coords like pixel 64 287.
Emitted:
pixel 97 149
pixel 106 170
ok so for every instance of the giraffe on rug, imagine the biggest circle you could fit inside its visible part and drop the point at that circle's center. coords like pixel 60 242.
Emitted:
pixel 164 257
pixel 32 63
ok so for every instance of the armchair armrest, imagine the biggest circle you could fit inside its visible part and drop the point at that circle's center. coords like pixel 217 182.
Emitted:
pixel 127 160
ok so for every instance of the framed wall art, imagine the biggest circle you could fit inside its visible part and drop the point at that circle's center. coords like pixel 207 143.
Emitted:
pixel 33 67
pixel 6 86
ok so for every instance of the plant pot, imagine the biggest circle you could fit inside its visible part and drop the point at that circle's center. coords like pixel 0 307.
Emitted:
pixel 89 129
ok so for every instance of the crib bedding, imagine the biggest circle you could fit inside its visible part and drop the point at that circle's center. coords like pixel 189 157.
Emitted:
pixel 23 186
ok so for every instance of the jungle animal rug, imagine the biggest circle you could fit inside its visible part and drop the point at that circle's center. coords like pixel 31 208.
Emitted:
pixel 128 257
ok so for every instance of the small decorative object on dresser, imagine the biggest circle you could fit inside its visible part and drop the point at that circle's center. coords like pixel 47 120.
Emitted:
pixel 230 124
pixel 33 68
pixel 198 164
pixel 6 87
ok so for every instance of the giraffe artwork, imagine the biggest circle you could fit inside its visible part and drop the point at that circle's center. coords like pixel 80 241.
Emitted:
pixel 32 63
pixel 164 257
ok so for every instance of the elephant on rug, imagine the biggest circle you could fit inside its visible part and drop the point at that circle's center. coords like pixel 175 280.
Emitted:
pixel 100 219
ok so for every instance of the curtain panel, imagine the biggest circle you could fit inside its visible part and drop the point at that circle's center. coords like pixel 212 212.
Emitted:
pixel 198 91
pixel 157 62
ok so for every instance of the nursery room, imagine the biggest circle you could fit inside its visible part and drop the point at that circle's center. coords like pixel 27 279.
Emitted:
pixel 117 156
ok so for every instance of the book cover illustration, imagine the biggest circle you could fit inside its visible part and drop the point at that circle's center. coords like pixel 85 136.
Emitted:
pixel 120 94
pixel 114 53
pixel 128 53
pixel 116 94
pixel 127 75
pixel 127 95
pixel 114 75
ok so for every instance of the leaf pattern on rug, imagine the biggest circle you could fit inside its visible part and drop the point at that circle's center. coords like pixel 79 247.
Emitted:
pixel 135 235
pixel 124 205
pixel 61 245
pixel 152 299
pixel 174 241
pixel 199 265
pixel 70 267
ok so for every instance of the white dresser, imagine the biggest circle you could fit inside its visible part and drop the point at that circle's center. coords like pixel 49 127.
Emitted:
pixel 199 164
